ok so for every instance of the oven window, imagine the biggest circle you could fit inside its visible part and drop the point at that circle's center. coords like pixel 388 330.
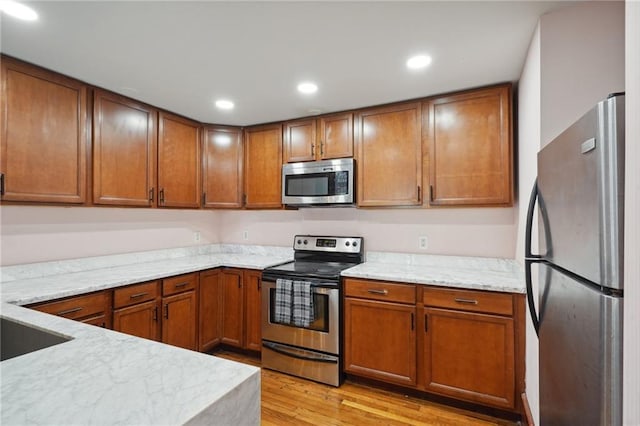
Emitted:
pixel 317 184
pixel 320 311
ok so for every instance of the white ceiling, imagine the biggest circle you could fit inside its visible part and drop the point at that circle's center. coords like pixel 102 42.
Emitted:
pixel 182 55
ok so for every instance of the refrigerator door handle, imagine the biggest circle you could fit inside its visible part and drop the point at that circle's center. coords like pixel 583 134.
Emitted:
pixel 529 258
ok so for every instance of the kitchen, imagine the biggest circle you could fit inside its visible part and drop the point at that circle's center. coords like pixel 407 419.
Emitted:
pixel 41 233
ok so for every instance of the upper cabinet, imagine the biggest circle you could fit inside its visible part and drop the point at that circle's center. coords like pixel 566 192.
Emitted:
pixel 222 167
pixel 44 136
pixel 318 139
pixel 263 166
pixel 388 155
pixel 124 151
pixel 178 162
pixel 469 139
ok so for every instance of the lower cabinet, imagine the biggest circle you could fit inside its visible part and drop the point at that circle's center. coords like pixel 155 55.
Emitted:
pixel 464 344
pixel 141 320
pixel 240 308
pixel 92 308
pixel 179 320
pixel 380 334
pixel 210 314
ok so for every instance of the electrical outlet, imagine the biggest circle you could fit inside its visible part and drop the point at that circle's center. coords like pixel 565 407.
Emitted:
pixel 423 243
pixel 245 235
pixel 196 236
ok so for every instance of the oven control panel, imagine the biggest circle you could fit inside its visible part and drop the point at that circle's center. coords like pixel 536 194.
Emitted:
pixel 328 244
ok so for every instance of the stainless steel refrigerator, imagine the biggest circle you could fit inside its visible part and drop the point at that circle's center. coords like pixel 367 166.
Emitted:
pixel 580 198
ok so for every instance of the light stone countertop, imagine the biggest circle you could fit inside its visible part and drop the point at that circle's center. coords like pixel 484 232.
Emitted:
pixel 475 273
pixel 105 377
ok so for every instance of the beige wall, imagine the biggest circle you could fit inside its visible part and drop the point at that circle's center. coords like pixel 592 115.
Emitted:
pixel 576 58
pixel 631 343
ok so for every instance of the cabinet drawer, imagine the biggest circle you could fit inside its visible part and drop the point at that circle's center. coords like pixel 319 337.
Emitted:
pixel 468 300
pixel 179 284
pixel 380 290
pixel 78 307
pixel 138 293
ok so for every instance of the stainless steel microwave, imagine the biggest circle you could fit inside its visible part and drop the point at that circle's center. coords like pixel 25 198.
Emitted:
pixel 318 183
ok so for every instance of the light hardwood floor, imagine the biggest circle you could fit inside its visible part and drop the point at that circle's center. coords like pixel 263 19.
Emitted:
pixel 288 400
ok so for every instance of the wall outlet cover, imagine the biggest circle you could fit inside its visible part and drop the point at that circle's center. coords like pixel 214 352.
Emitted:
pixel 423 243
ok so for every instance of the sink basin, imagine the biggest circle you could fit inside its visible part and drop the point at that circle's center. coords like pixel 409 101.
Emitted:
pixel 19 339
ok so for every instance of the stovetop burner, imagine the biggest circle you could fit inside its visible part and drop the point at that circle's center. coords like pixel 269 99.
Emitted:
pixel 320 258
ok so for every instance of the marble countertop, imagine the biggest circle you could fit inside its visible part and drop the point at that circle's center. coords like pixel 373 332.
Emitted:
pixel 476 273
pixel 105 377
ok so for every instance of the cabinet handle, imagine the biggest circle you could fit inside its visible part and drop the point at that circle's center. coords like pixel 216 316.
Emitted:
pixel 1 183
pixel 155 313
pixel 430 192
pixel 426 322
pixel 259 284
pixel 161 194
pixel 467 301
pixel 204 198
pixel 184 284
pixel 151 195
pixel 166 311
pixel 103 325
pixel 135 296
pixel 412 321
pixel 376 291
pixel 321 148
pixel 313 150
pixel 418 193
pixel 70 311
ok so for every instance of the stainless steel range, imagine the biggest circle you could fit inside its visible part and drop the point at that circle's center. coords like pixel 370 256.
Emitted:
pixel 301 306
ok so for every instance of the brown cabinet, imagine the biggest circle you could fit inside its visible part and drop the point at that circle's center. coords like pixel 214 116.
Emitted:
pixel 92 308
pixel 124 151
pixel 43 125
pixel 178 162
pixel 179 311
pixel 136 310
pixel 472 346
pixel 252 302
pixel 222 167
pixel 469 139
pixel 388 155
pixel 232 303
pixel 380 336
pixel 263 166
pixel 324 138
pixel 209 302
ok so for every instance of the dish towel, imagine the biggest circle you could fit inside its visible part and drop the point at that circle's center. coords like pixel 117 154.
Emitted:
pixel 303 313
pixel 284 290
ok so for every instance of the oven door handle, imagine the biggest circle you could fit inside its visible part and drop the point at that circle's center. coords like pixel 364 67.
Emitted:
pixel 299 353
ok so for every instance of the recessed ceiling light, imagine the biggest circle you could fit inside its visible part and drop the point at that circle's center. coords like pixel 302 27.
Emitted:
pixel 224 104
pixel 307 87
pixel 419 61
pixel 18 10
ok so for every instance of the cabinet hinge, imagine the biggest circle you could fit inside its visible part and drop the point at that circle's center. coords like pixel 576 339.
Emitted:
pixel 1 184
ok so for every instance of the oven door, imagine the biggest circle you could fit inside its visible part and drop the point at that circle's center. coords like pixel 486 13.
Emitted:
pixel 323 334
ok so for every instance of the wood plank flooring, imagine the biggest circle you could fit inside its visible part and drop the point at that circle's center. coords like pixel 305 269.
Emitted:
pixel 288 400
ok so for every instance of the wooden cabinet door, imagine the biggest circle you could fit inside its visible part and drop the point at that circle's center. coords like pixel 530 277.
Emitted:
pixel 470 356
pixel 299 141
pixel 389 156
pixel 142 320
pixel 124 151
pixel 43 156
pixel 179 320
pixel 253 319
pixel 178 162
pixel 380 341
pixel 222 167
pixel 232 324
pixel 470 148
pixel 336 136
pixel 263 166
pixel 210 313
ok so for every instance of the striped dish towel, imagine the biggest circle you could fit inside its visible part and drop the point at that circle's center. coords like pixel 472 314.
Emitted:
pixel 303 314
pixel 283 301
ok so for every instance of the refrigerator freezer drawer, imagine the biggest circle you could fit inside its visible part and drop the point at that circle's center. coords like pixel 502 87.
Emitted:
pixel 580 353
